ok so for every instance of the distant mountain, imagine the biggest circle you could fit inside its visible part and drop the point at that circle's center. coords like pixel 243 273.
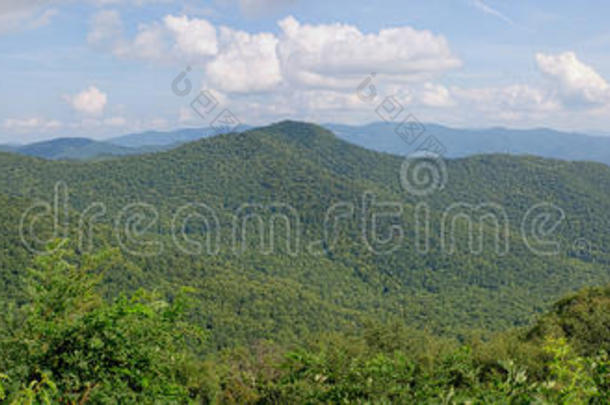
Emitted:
pixel 8 148
pixel 380 136
pixel 542 142
pixel 132 144
pixel 169 138
pixel 72 149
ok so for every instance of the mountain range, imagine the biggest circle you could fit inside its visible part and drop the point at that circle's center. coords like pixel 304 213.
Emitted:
pixel 320 277
pixel 543 142
pixel 380 136
pixel 132 144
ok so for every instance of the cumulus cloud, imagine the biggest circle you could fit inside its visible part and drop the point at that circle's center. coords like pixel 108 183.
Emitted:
pixel 308 69
pixel 435 95
pixel 173 38
pixel 89 101
pixel 578 83
pixel 331 56
pixel 193 36
pixel 106 32
pixel 334 55
pixel 516 97
pixel 245 63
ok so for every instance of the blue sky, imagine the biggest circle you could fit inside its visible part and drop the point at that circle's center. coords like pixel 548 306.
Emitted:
pixel 101 68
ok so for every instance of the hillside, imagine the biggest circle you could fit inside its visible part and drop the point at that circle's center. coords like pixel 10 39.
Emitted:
pixel 252 295
pixel 68 343
pixel 7 148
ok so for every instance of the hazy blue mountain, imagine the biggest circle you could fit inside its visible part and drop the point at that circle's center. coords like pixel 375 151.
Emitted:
pixel 8 148
pixel 73 149
pixel 132 144
pixel 379 136
pixel 542 142
pixel 168 139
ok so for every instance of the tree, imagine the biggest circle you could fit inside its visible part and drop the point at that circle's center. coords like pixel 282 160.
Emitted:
pixel 67 344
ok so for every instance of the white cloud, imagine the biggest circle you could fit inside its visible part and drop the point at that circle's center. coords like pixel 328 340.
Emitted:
pixel 174 38
pixel 149 43
pixel 31 124
pixel 159 123
pixel 487 9
pixel 578 83
pixel 193 36
pixel 339 55
pixel 31 14
pixel 186 115
pixel 331 57
pixel 106 32
pixel 435 95
pixel 26 14
pixel 90 101
pixel 106 28
pixel 246 63
pixel 115 122
pixel 42 19
pixel 516 97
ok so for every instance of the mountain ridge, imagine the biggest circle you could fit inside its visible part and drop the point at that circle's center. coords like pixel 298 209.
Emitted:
pixel 309 169
pixel 378 136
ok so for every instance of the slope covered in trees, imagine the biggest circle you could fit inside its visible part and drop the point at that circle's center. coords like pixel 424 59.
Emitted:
pixel 332 284
pixel 66 344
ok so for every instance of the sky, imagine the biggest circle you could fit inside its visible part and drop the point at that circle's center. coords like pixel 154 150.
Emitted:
pixel 102 68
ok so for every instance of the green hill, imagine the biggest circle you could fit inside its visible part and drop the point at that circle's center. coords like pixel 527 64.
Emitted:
pixel 300 168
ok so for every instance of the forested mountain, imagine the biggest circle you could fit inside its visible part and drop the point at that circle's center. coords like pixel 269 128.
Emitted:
pixel 66 343
pixel 380 136
pixel 74 149
pixel 300 168
pixel 462 142
pixel 350 299
pixel 168 138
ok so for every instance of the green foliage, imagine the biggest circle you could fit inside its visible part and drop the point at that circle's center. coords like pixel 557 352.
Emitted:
pixel 583 318
pixel 254 296
pixel 570 382
pixel 66 343
pixel 329 326
pixel 346 369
